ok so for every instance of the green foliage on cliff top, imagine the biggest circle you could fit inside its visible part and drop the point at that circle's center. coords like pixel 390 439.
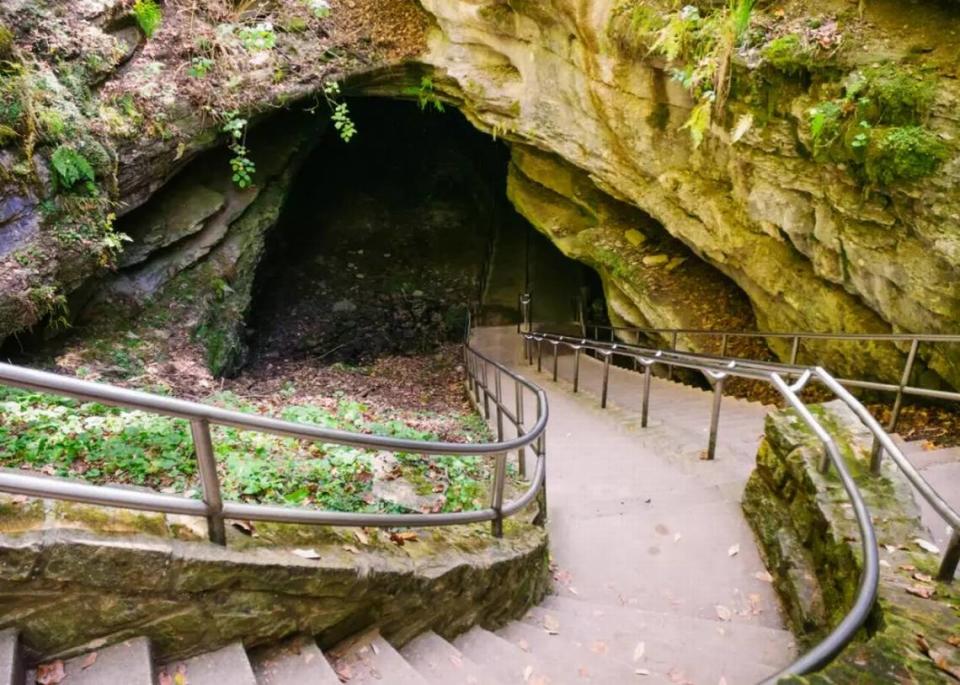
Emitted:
pixel 876 126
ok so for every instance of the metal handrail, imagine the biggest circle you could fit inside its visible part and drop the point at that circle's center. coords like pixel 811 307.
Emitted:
pixel 484 382
pixel 901 389
pixel 780 376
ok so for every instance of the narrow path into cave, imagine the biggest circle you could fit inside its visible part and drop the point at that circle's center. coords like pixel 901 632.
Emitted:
pixel 638 521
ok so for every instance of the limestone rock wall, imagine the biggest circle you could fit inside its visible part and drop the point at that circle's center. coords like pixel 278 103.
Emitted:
pixel 809 248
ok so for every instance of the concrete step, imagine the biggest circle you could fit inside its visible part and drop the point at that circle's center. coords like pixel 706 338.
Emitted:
pixel 368 658
pixel 506 661
pixel 741 652
pixel 227 666
pixel 297 660
pixel 570 660
pixel 647 563
pixel 128 662
pixel 443 664
pixel 11 665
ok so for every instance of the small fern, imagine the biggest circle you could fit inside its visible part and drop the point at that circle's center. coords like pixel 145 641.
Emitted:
pixel 72 168
pixel 149 16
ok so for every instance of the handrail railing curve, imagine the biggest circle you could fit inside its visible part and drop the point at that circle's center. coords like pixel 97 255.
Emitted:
pixel 789 380
pixel 484 381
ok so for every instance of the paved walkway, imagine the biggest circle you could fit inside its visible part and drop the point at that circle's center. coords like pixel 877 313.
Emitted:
pixel 639 521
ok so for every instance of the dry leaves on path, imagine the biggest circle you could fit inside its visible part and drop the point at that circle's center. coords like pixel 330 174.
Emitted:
pixel 923 591
pixel 401 538
pixel 88 661
pixel 551 624
pixel 734 550
pixel 938 658
pixel 50 674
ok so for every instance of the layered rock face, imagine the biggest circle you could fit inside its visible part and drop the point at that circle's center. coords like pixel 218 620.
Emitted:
pixel 802 239
pixel 755 228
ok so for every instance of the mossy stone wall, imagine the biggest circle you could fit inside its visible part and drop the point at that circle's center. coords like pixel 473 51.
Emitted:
pixel 75 578
pixel 809 538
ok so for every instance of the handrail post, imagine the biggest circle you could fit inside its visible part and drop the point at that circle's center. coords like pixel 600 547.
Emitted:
pixel 647 381
pixel 522 452
pixel 673 348
pixel 540 450
pixel 715 418
pixel 539 355
pixel 496 500
pixel 556 355
pixel 606 380
pixel 876 451
pixel 723 345
pixel 576 369
pixel 948 567
pixel 209 480
pixel 486 390
pixel 904 381
pixel 795 350
pixel 498 397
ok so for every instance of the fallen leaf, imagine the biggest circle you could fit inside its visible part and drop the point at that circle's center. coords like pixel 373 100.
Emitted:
pixel 50 674
pixel 598 647
pixel 524 645
pixel 456 661
pixel 362 536
pixel 734 550
pixel 764 576
pixel 352 549
pixel 88 661
pixel 677 537
pixel 244 527
pixel 343 671
pixel 639 651
pixel 307 553
pixel 922 591
pixel 923 577
pixel 939 659
pixel 583 672
pixel 744 124
pixel 642 671
pixel 908 568
pixel 551 624
pixel 954 640
pixel 724 613
pixel 402 537
pixel 527 672
pixel 927 546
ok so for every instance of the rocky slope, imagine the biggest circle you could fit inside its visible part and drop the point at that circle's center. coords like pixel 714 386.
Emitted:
pixel 797 171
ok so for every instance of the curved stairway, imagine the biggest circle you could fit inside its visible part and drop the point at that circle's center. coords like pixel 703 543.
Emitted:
pixel 657 578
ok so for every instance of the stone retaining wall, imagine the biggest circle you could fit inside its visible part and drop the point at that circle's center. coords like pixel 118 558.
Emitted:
pixel 74 578
pixel 809 537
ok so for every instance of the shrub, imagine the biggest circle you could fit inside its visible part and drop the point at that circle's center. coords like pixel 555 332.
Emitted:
pixel 149 16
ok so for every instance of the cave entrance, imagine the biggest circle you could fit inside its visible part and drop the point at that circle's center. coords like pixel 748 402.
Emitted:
pixel 385 243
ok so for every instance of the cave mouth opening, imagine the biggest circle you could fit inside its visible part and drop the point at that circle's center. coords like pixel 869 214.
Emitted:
pixel 384 244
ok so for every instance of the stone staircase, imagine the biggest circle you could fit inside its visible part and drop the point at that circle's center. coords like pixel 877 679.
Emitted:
pixel 561 641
